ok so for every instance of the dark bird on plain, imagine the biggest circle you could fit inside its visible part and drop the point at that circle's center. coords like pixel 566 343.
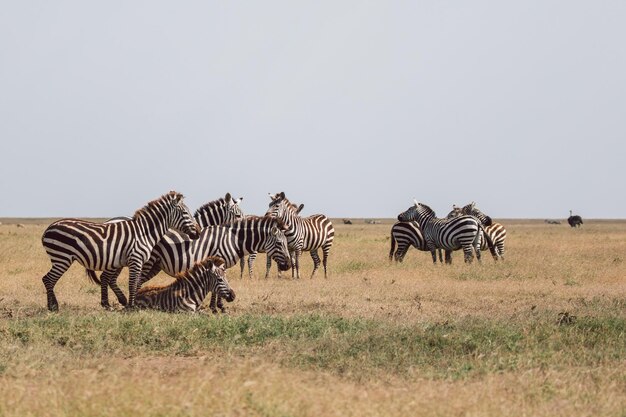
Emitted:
pixel 574 220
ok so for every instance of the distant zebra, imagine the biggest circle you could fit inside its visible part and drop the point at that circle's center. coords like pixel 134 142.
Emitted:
pixel 176 252
pixel 303 234
pixel 403 236
pixel 190 289
pixel 111 246
pixel 220 211
pixel 449 234
pixel 495 231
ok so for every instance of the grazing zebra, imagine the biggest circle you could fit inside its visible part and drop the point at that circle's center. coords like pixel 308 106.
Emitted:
pixel 102 246
pixel 403 236
pixel 449 234
pixel 220 211
pixel 252 258
pixel 190 289
pixel 303 234
pixel 495 231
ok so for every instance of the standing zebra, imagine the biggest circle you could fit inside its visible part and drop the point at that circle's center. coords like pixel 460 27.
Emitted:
pixel 495 231
pixel 449 234
pixel 190 289
pixel 405 235
pixel 220 211
pixel 102 246
pixel 176 252
pixel 303 234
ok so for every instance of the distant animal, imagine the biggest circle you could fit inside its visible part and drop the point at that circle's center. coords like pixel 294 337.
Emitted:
pixel 190 289
pixel 450 234
pixel 347 221
pixel 102 246
pixel 574 220
pixel 552 221
pixel 19 225
pixel 304 233
pixel 403 236
pixel 495 231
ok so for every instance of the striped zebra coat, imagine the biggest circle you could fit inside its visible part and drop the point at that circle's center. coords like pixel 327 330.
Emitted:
pixel 403 236
pixel 220 211
pixel 176 252
pixel 190 289
pixel 303 234
pixel 110 246
pixel 449 234
pixel 495 231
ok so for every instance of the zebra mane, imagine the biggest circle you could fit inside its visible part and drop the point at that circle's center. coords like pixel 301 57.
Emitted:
pixel 288 203
pixel 428 209
pixel 215 203
pixel 172 195
pixel 183 276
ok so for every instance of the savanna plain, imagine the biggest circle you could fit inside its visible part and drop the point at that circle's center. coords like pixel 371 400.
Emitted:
pixel 542 333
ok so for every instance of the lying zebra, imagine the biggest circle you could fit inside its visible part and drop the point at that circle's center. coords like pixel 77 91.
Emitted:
pixel 190 289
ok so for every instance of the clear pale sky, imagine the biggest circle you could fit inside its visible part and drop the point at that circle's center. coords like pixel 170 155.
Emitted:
pixel 353 108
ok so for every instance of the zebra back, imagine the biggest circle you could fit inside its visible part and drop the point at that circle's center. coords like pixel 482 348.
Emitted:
pixel 220 211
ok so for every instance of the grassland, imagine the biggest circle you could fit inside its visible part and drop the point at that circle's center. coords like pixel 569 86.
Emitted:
pixel 374 339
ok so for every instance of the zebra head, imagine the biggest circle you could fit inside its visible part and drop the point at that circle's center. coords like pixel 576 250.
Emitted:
pixel 276 245
pixel 472 210
pixel 417 213
pixel 281 208
pixel 215 273
pixel 221 211
pixel 456 212
pixel 181 218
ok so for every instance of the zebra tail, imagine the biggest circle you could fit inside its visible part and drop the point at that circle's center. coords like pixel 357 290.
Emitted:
pixel 93 277
pixel 490 244
pixel 393 248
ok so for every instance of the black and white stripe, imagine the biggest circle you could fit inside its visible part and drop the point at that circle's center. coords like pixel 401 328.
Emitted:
pixel 403 236
pixel 304 233
pixel 220 211
pixel 110 246
pixel 190 289
pixel 495 231
pixel 449 234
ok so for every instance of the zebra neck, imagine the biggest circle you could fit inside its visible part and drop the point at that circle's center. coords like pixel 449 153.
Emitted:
pixel 251 236
pixel 151 225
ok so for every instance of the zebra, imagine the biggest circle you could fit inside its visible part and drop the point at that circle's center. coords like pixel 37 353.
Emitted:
pixel 189 290
pixel 304 234
pixel 177 252
pixel 102 247
pixel 449 234
pixel 220 211
pixel 252 257
pixel 405 235
pixel 494 230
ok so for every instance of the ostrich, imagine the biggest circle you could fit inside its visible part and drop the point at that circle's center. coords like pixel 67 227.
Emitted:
pixel 574 220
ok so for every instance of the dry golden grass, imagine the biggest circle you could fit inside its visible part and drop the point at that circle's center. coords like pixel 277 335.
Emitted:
pixel 548 269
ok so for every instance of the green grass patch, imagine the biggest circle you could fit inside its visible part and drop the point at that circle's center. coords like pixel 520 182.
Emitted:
pixel 355 347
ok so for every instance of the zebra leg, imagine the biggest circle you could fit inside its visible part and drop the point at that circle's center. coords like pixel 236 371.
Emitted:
pixel 268 266
pixel 500 247
pixel 296 262
pixel 213 302
pixel 133 283
pixel 149 270
pixel 241 264
pixel 50 280
pixel 112 276
pixel 448 257
pixel 316 261
pixel 392 250
pixel 468 251
pixel 325 253
pixel 440 257
pixel 251 258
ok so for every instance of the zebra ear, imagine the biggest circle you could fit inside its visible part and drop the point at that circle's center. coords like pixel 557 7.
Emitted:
pixel 282 194
pixel 228 197
pixel 274 230
pixel 416 203
pixel 239 200
pixel 300 209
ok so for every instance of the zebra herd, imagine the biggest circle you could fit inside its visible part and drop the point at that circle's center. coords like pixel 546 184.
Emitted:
pixel 164 236
pixel 464 228
pixel 196 249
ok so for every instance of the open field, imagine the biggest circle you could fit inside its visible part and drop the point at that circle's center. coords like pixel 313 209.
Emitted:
pixel 375 339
